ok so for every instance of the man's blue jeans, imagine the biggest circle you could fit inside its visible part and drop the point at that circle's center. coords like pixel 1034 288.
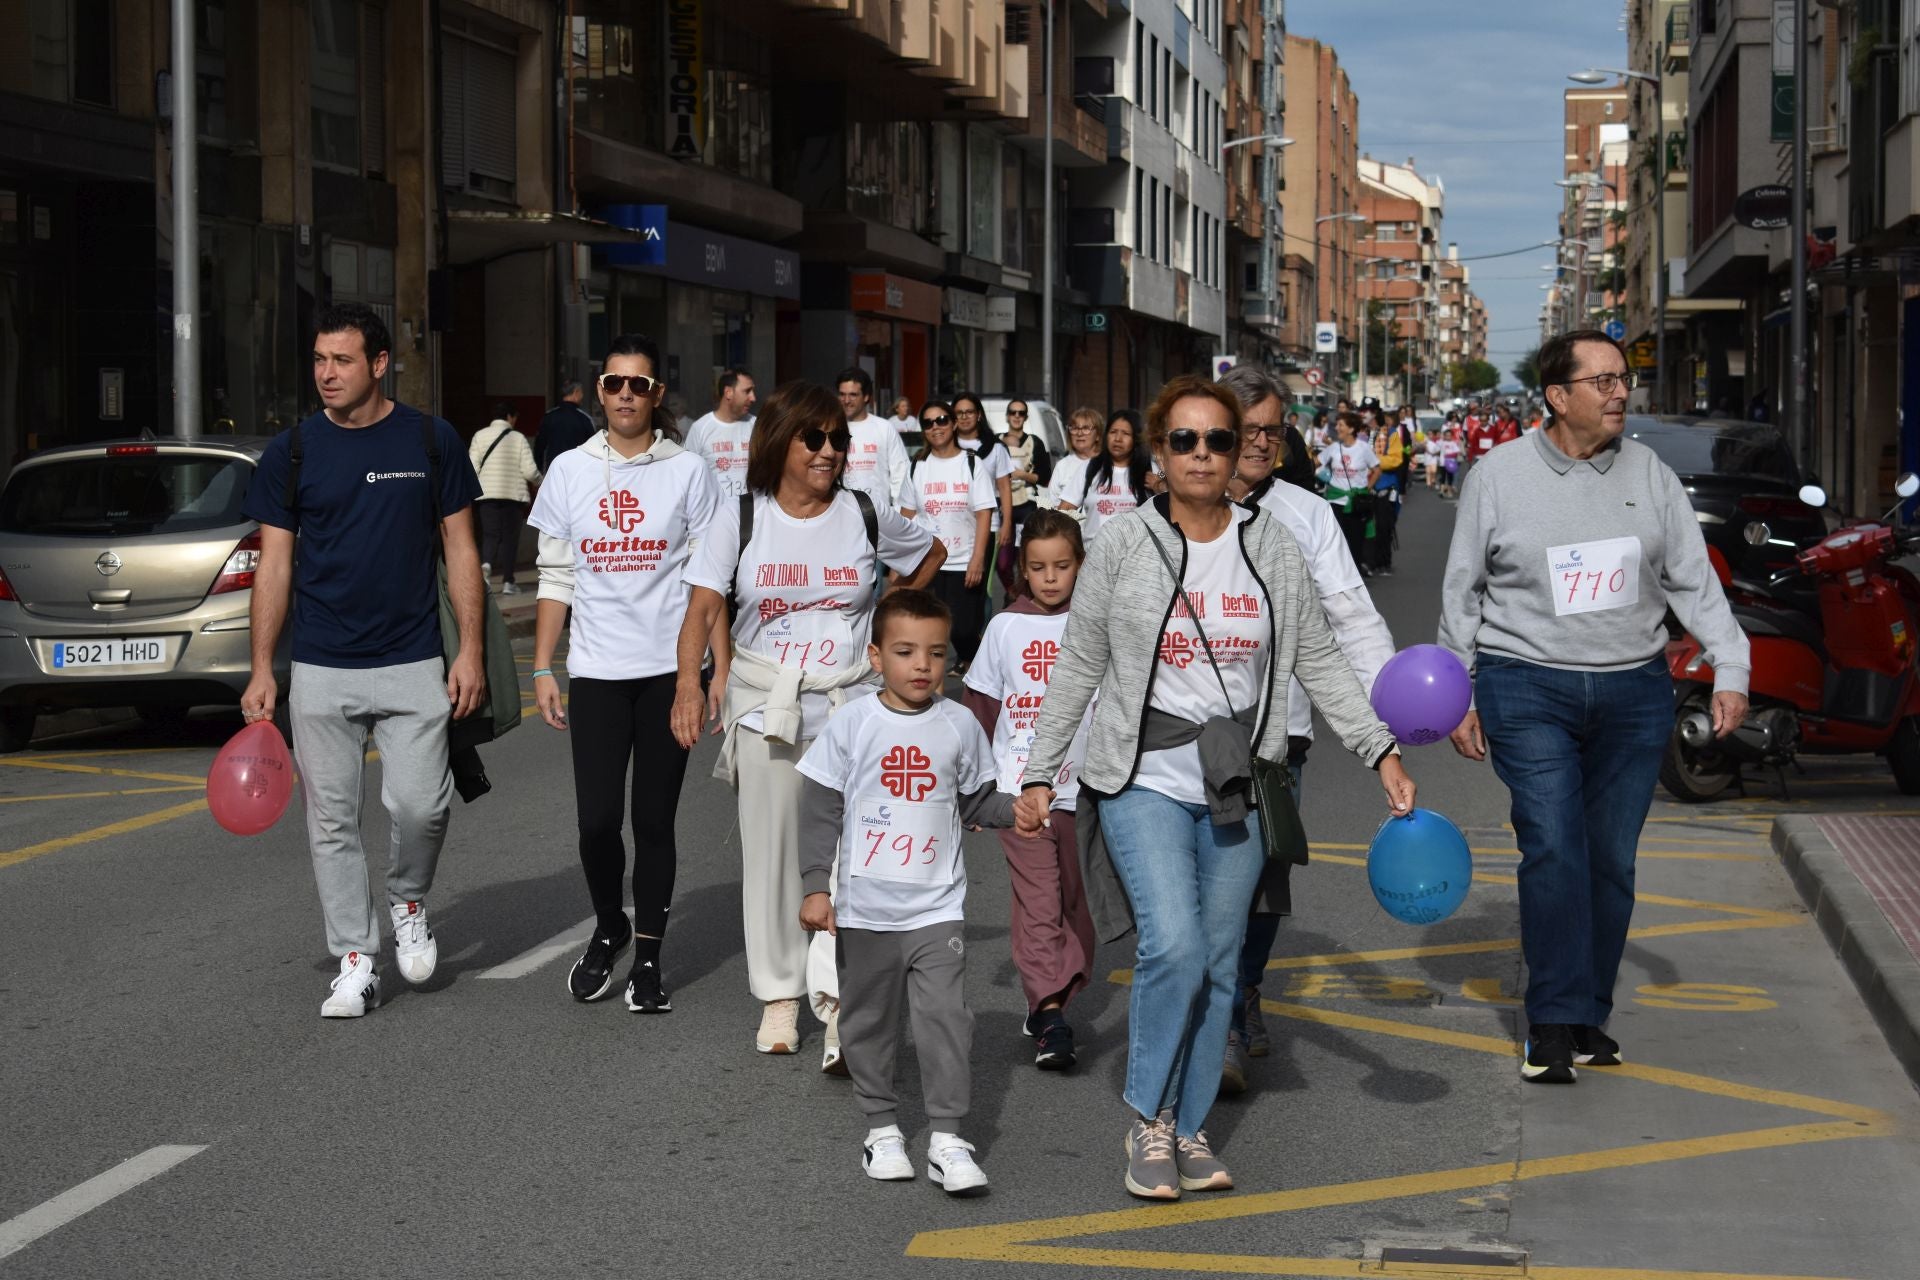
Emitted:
pixel 1263 928
pixel 1189 882
pixel 1579 751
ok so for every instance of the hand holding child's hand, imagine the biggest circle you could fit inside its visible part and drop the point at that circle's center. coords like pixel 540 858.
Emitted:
pixel 816 914
pixel 1030 810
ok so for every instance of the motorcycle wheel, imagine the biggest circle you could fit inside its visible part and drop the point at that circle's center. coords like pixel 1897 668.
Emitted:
pixel 1691 779
pixel 1903 753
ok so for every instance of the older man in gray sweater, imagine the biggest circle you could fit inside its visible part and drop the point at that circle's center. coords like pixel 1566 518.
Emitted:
pixel 1569 546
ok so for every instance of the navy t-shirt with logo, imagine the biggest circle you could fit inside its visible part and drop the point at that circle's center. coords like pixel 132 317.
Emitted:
pixel 363 581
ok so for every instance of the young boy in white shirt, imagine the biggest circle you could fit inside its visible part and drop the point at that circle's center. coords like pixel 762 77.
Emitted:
pixel 890 783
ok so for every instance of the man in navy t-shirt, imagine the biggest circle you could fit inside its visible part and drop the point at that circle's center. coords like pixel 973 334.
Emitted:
pixel 367 650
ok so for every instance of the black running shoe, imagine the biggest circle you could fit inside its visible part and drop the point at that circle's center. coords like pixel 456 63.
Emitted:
pixel 1593 1047
pixel 1549 1057
pixel 1053 1040
pixel 644 992
pixel 592 975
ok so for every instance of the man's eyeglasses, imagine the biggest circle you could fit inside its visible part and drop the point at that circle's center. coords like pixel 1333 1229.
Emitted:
pixel 1186 440
pixel 1604 383
pixel 814 437
pixel 1250 432
pixel 642 385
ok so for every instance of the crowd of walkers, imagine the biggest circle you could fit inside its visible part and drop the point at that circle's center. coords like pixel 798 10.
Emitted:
pixel 1178 603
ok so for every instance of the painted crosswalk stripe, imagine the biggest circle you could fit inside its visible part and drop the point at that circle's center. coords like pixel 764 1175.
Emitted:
pixel 17 1233
pixel 563 943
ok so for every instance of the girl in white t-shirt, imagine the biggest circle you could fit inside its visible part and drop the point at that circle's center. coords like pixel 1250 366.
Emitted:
pixel 1118 480
pixel 617 518
pixel 1053 938
pixel 956 501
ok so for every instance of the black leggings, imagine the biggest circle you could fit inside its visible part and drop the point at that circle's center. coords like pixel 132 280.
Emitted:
pixel 969 606
pixel 612 721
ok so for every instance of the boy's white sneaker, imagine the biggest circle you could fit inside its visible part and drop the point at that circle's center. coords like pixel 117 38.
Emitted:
pixel 951 1165
pixel 884 1155
pixel 413 942
pixel 356 990
pixel 831 1063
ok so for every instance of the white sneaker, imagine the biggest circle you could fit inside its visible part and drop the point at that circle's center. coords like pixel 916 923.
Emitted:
pixel 356 990
pixel 509 589
pixel 951 1165
pixel 831 1063
pixel 779 1027
pixel 884 1155
pixel 486 570
pixel 413 941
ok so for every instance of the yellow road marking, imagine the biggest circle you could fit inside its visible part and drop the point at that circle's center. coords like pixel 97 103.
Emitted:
pixel 95 795
pixel 61 766
pixel 120 828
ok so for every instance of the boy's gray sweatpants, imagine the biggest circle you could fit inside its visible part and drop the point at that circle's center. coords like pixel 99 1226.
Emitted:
pixel 406 709
pixel 928 966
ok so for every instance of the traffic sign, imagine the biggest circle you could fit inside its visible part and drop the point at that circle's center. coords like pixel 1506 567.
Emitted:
pixel 1616 330
pixel 1222 366
pixel 1326 337
pixel 1314 377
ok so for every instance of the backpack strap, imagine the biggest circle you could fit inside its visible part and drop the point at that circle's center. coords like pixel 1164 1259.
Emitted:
pixel 432 445
pixel 746 536
pixel 868 517
pixel 292 495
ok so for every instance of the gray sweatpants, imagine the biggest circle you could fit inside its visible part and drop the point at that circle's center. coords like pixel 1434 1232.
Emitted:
pixel 406 709
pixel 928 966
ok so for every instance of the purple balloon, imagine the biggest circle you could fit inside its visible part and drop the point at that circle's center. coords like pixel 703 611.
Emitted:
pixel 1422 693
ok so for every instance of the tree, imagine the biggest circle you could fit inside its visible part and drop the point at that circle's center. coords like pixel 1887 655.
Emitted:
pixel 1470 377
pixel 1528 370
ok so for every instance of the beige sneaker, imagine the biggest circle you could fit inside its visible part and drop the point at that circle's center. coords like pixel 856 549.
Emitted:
pixel 779 1027
pixel 831 1063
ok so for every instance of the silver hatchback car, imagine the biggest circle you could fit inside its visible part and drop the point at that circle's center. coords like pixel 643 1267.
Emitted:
pixel 126 574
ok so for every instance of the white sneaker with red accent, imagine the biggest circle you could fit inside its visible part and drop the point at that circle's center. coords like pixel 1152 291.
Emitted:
pixel 413 942
pixel 356 990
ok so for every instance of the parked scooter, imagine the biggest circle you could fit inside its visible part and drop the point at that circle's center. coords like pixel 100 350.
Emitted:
pixel 1839 683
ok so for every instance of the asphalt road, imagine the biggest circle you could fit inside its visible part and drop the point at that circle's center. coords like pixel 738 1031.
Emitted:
pixel 159 1006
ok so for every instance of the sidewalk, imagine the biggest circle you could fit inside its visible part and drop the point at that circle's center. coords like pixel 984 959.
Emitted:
pixel 1860 877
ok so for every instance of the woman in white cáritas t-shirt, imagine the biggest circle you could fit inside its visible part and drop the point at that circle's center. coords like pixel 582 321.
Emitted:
pixel 1069 483
pixel 972 433
pixel 1118 480
pixel 617 519
pixel 956 501
pixel 802 585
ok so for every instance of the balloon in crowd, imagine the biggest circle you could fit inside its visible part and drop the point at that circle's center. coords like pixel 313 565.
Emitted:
pixel 1422 694
pixel 1419 867
pixel 251 780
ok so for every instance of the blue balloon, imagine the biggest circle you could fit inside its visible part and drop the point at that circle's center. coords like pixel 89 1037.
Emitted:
pixel 1419 867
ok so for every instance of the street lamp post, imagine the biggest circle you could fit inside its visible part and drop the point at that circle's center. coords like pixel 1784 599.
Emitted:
pixel 1597 75
pixel 1272 139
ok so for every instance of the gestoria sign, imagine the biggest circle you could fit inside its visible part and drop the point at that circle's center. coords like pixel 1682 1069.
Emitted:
pixel 686 122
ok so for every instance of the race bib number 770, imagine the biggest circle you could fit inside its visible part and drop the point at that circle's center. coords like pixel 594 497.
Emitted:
pixel 1591 577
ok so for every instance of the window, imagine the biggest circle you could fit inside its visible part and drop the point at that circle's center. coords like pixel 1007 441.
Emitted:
pixel 1909 58
pixel 70 50
pixel 479 129
pixel 336 84
pixel 1153 219
pixel 1139 64
pixel 1153 77
pixel 1140 242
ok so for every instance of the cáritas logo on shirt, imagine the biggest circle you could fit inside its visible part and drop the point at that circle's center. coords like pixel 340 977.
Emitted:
pixel 620 511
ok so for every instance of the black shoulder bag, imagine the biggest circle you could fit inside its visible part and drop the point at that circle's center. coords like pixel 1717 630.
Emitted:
pixel 1281 831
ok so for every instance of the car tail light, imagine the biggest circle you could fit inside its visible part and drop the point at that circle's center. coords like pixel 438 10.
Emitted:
pixel 130 450
pixel 1768 506
pixel 6 588
pixel 237 573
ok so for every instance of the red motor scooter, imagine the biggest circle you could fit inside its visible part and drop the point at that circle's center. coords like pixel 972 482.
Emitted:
pixel 1841 683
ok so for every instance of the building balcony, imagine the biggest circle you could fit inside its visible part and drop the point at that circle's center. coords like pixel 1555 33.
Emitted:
pixel 1679 38
pixel 1265 313
pixel 1079 131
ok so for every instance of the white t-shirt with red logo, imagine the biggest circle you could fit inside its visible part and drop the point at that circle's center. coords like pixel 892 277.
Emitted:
pixel 724 447
pixel 1105 500
pixel 1013 667
pixel 631 523
pixel 805 587
pixel 1220 588
pixel 998 465
pixel 951 490
pixel 876 461
pixel 901 775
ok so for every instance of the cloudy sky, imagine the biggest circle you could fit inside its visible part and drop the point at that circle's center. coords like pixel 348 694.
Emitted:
pixel 1471 89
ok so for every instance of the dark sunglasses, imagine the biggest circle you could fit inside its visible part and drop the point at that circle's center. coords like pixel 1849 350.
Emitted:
pixel 642 385
pixel 814 437
pixel 1186 440
pixel 936 422
pixel 1016 413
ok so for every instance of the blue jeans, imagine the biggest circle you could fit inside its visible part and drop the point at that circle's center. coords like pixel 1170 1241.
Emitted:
pixel 1263 929
pixel 1579 751
pixel 1189 882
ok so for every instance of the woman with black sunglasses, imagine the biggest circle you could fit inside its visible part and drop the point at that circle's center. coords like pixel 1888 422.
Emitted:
pixel 1189 619
pixel 617 518
pixel 799 557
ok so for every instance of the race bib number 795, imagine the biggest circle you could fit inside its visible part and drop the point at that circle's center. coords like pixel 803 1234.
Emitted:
pixel 1591 577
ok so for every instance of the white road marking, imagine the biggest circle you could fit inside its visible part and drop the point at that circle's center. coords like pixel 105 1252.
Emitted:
pixel 17 1233
pixel 564 943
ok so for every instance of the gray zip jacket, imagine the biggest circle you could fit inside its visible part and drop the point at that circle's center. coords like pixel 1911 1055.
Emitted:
pixel 1121 604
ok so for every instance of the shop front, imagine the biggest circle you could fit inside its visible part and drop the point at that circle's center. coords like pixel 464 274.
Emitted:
pixel 894 321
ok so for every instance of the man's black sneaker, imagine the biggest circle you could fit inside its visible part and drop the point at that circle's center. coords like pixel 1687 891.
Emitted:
pixel 592 974
pixel 644 993
pixel 1593 1047
pixel 1549 1057
pixel 1053 1047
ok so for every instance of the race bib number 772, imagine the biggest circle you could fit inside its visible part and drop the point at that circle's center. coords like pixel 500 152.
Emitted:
pixel 1591 577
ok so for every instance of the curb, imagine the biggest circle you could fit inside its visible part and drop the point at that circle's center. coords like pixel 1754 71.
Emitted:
pixel 1875 957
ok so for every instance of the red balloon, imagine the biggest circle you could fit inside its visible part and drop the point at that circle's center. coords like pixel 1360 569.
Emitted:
pixel 251 780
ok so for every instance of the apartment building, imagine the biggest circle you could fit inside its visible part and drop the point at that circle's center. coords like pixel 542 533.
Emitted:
pixel 1256 111
pixel 1320 211
pixel 1399 251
